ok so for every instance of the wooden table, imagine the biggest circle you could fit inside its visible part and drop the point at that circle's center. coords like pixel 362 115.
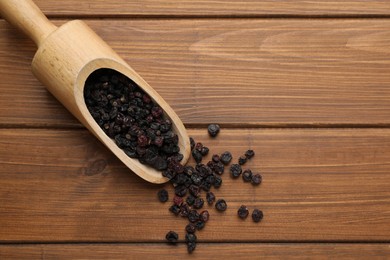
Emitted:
pixel 306 84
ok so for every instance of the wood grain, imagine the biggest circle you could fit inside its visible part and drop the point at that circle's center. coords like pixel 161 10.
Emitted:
pixel 207 7
pixel 234 72
pixel 204 251
pixel 319 185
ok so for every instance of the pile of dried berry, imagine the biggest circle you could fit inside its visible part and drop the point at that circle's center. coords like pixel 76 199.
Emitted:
pixel 189 182
pixel 138 126
pixel 129 116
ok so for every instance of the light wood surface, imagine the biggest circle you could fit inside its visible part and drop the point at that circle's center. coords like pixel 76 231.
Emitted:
pixel 303 83
pixel 204 251
pixel 270 72
pixel 212 7
pixel 318 185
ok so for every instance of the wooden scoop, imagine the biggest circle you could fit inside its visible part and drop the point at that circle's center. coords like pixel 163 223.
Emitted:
pixel 66 56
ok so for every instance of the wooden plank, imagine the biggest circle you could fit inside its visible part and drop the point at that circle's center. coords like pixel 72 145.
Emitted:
pixel 319 185
pixel 204 251
pixel 234 72
pixel 207 7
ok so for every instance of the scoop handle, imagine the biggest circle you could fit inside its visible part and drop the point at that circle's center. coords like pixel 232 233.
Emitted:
pixel 27 17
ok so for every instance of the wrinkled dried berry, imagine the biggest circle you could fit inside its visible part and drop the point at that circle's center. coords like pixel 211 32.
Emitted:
pixel 235 170
pixel 256 179
pixel 184 210
pixel 215 158
pixel 175 209
pixel 204 216
pixel 226 157
pixel 190 228
pixel 163 195
pixel 180 190
pixel 242 160
pixel 243 212
pixel 198 203
pixel 257 215
pixel 193 216
pixel 200 225
pixel 218 182
pixel 249 154
pixel 191 247
pixel 190 200
pixel 190 237
pixel 172 237
pixel 177 200
pixel 194 190
pixel 247 175
pixel 192 143
pixel 213 130
pixel 204 151
pixel 210 197
pixel 221 205
pixel 196 155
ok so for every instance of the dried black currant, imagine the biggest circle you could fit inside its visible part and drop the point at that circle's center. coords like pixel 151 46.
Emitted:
pixel 204 216
pixel 210 197
pixel 198 204
pixel 213 130
pixel 190 228
pixel 162 195
pixel 221 205
pixel 247 175
pixel 172 237
pixel 242 160
pixel 235 170
pixel 226 157
pixel 249 154
pixel 243 212
pixel 257 215
pixel 191 247
pixel 256 179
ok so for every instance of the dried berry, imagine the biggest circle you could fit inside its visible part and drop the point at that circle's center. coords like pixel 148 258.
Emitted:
pixel 235 170
pixel 177 200
pixel 191 247
pixel 249 154
pixel 257 215
pixel 190 200
pixel 256 179
pixel 243 212
pixel 204 151
pixel 190 228
pixel 198 204
pixel 218 182
pixel 210 197
pixel 172 237
pixel 247 175
pixel 213 130
pixel 221 205
pixel 184 210
pixel 192 143
pixel 242 160
pixel 200 225
pixel 204 216
pixel 190 237
pixel 162 195
pixel 226 157
pixel 197 156
pixel 175 209
pixel 193 216
pixel 194 190
pixel 215 158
